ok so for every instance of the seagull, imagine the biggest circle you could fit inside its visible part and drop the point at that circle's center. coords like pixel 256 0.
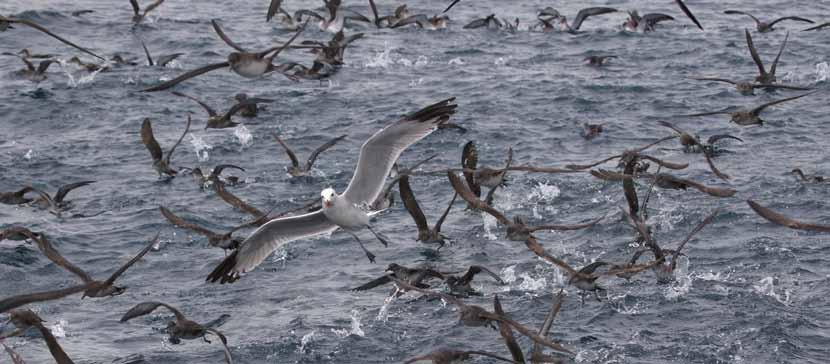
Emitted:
pixel 413 276
pixel 24 319
pixel 244 63
pixel 597 61
pixel 748 117
pixel 296 170
pixel 764 27
pixel 6 23
pixel 665 270
pixel 16 197
pixel 516 228
pixel 645 23
pixel 764 77
pixel 583 14
pixel 425 234
pixel 160 61
pixel 139 16
pixel 665 180
pixel 336 20
pixel 224 241
pixel 690 142
pixel 216 121
pixel 748 88
pixel 450 356
pixel 161 162
pixel 377 155
pixel 779 219
pixel 206 180
pixel 386 198
pixel 814 178
pixel 477 316
pixel 90 287
pixel 181 328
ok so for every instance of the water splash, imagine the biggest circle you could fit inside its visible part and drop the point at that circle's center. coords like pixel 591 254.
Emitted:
pixel 244 136
pixel 456 61
pixel 304 341
pixel 355 328
pixel 683 281
pixel 28 156
pixel 383 313
pixel 200 147
pixel 59 329
pixel 389 56
pixel 508 274
pixel 766 287
pixel 532 284
pixel 822 71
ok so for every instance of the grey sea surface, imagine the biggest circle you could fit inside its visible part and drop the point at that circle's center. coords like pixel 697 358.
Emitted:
pixel 747 291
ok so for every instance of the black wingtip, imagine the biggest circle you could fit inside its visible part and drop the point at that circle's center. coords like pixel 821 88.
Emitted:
pixel 224 271
pixel 440 110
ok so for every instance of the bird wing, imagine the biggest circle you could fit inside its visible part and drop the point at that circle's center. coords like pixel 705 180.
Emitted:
pixel 688 13
pixel 172 149
pixel 641 227
pixel 309 13
pixel 780 219
pixel 556 305
pixel 218 169
pixel 451 5
pixel 55 349
pixel 738 12
pixel 42 29
pixel 411 205
pixel 44 65
pixel 692 233
pixel 288 151
pixel 591 165
pixel 132 261
pixel 559 227
pixel 526 332
pixel 55 256
pixel 273 8
pixel 224 341
pixel 267 238
pixel 374 12
pixel 778 56
pixel 225 38
pixel 714 79
pixel 472 199
pixel 165 59
pixel 758 109
pixel 444 215
pixel 711 191
pixel 207 108
pixel 322 148
pixel 707 154
pixel 478 23
pixel 383 148
pixel 178 221
pixel 408 287
pixel 412 19
pixel 188 75
pixel 25 299
pixel 234 201
pixel 147 53
pixel 818 27
pixel 373 283
pixel 794 18
pixel 537 249
pixel 152 6
pixel 715 138
pixel 588 12
pixel 63 190
pixel 507 334
pixel 654 18
pixel 469 161
pixel 785 87
pixel 754 53
pixel 475 269
pixel 135 6
pixel 145 308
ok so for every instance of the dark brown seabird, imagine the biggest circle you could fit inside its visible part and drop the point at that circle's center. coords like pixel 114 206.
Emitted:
pixel 224 241
pixel 779 219
pixel 216 121
pixel 205 181
pixel 249 110
pixel 16 197
pixel 487 177
pixel 665 180
pixel 295 170
pixel 763 26
pixel 413 276
pixel 32 73
pixel 646 23
pixel 24 319
pixel 764 77
pixel 748 117
pixel 138 15
pixel 477 316
pixel 450 356
pixel 160 61
pixel 56 204
pixel 401 12
pixel 244 63
pixel 161 162
pixel 426 234
pixel 590 131
pixel 748 88
pixel 597 61
pixel 691 143
pixel 460 286
pixel 516 228
pixel 6 23
pixel 804 178
pixel 181 328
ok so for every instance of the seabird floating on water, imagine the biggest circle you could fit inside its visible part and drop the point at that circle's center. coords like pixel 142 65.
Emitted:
pixel 764 27
pixel 216 121
pixel 138 15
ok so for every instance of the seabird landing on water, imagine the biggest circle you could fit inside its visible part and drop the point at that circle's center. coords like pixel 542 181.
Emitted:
pixel 813 178
pixel 160 61
pixel 691 143
pixel 181 328
pixel 6 23
pixel 161 162
pixel 426 234
pixel 764 27
pixel 224 241
pixel 213 177
pixel 573 28
pixel 56 204
pixel 377 155
pixel 216 121
pixel 32 73
pixel 337 18
pixel 644 23
pixel 24 319
pixel 764 77
pixel 244 63
pixel 138 15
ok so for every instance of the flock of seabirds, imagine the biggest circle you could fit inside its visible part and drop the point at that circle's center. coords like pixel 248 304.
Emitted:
pixel 369 192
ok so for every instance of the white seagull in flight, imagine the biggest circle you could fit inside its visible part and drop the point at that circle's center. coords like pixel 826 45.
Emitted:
pixel 347 210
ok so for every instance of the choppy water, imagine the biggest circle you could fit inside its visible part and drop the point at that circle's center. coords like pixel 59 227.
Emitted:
pixel 752 292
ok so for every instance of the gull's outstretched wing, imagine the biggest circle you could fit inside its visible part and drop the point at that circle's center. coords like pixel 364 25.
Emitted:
pixel 262 242
pixel 380 152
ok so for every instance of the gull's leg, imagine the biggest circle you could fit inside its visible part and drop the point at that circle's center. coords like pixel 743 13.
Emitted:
pixel 368 253
pixel 383 239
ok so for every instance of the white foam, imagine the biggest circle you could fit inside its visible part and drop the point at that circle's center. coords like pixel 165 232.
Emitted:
pixel 355 328
pixel 822 71
pixel 457 61
pixel 59 329
pixel 29 155
pixel 201 147
pixel 243 135
pixel 766 287
pixel 305 340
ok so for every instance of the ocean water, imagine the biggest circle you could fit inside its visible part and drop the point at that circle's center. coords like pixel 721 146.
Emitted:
pixel 748 292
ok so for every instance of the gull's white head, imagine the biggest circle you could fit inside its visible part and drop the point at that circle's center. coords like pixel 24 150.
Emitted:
pixel 328 197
